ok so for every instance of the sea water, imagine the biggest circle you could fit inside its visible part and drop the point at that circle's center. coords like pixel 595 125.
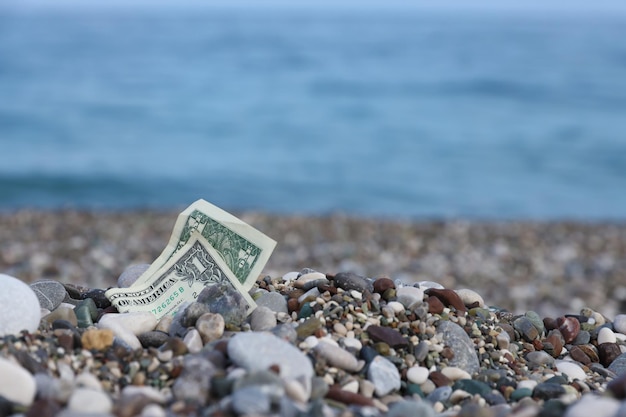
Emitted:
pixel 421 115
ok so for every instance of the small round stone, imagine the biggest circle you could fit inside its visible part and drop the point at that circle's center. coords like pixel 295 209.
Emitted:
pixel 211 327
pixel 384 375
pixel 471 298
pixel 262 318
pixel 417 374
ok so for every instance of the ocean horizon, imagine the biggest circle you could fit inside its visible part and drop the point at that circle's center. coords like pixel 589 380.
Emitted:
pixel 414 115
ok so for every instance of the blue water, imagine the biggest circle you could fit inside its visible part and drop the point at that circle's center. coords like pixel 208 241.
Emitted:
pixel 422 115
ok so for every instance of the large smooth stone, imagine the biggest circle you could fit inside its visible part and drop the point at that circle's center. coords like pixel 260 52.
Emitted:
pixel 19 306
pixel 465 356
pixel 384 375
pixel 259 351
pixel 16 383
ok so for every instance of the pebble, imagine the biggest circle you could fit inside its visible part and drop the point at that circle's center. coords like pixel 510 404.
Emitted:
pixel 89 401
pixel 193 340
pixel 251 400
pixel 571 369
pixel 526 328
pixel 351 281
pixel 471 298
pixel 384 375
pixel 97 339
pixel 383 284
pixel 417 374
pixel 539 358
pixel 455 373
pixel 440 394
pixel 409 296
pixel 569 328
pixel 619 323
pixel 210 326
pixel 274 301
pixel 131 275
pixel 464 354
pixel 49 293
pixel 606 335
pixel 618 365
pixel 547 390
pixel 591 405
pixel 16 383
pixel 134 322
pixel 387 335
pixel 448 297
pixel 226 301
pixel 406 408
pixel 270 350
pixel 19 307
pixel 338 357
pixel 262 318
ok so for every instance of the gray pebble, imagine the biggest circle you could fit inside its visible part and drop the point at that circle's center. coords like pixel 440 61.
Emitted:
pixel 131 274
pixel 49 293
pixel 539 358
pixel 384 375
pixel 421 351
pixel 262 318
pixel 582 338
pixel 192 313
pixel 619 365
pixel 411 408
pixel 285 332
pixel 224 299
pixel 251 401
pixel 194 383
pixel 266 381
pixel 274 301
pixel 465 356
pixel 440 394
pixel 351 281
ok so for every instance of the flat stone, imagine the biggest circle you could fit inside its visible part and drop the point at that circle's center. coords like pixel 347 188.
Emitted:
pixel 131 275
pixel 465 356
pixel 49 293
pixel 16 383
pixel 390 336
pixel 351 281
pixel 268 351
pixel 526 328
pixel 338 357
pixel 384 375
pixel 262 318
pixel 448 297
pixel 455 373
pixel 440 394
pixel 19 307
pixel 135 322
pixel 539 358
pixel 409 296
pixel 274 301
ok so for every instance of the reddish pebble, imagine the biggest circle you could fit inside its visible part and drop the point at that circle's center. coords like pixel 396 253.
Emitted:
pixel 608 352
pixel 383 284
pixel 293 305
pixel 336 393
pixel 555 338
pixel 569 328
pixel 448 297
pixel 439 379
pixel 579 355
pixel 435 306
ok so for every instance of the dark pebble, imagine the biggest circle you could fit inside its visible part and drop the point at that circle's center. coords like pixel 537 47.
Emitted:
pixel 618 366
pixel 153 338
pixel 336 393
pixel 388 335
pixel 526 328
pixel 439 379
pixel 617 387
pixel 472 386
pixel 98 297
pixel 351 281
pixel 448 297
pixel 435 306
pixel 569 328
pixel 579 355
pixel 546 391
pixel 383 284
pixel 608 352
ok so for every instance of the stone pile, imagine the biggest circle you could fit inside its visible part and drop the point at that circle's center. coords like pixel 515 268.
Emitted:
pixel 318 345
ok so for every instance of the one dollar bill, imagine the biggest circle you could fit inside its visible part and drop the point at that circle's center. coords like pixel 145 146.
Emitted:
pixel 244 249
pixel 192 267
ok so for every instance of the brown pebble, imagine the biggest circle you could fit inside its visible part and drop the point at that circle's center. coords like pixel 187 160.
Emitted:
pixel 447 353
pixel 607 353
pixel 293 305
pixel 591 352
pixel 448 297
pixel 43 407
pixel 435 306
pixel 439 379
pixel 66 340
pixel 549 323
pixel 97 339
pixel 351 398
pixel 579 355
pixel 388 335
pixel 383 284
pixel 555 338
pixel 569 328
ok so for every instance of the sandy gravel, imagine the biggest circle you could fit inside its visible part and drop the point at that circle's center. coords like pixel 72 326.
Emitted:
pixel 553 268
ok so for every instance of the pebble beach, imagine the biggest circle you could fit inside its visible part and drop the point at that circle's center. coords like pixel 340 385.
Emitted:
pixel 356 317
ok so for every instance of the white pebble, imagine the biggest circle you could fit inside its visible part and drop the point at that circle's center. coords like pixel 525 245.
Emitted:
pixel 290 276
pixel 16 383
pixel 470 297
pixel 409 296
pixel 86 400
pixel 338 357
pixel 396 306
pixel 193 340
pixel 311 341
pixel 606 335
pixel 19 306
pixel 352 343
pixel 455 373
pixel 417 374
pixel 571 369
pixel 153 410
pixel 592 405
pixel 458 395
pixel 351 386
pixel 135 322
pixel 527 383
